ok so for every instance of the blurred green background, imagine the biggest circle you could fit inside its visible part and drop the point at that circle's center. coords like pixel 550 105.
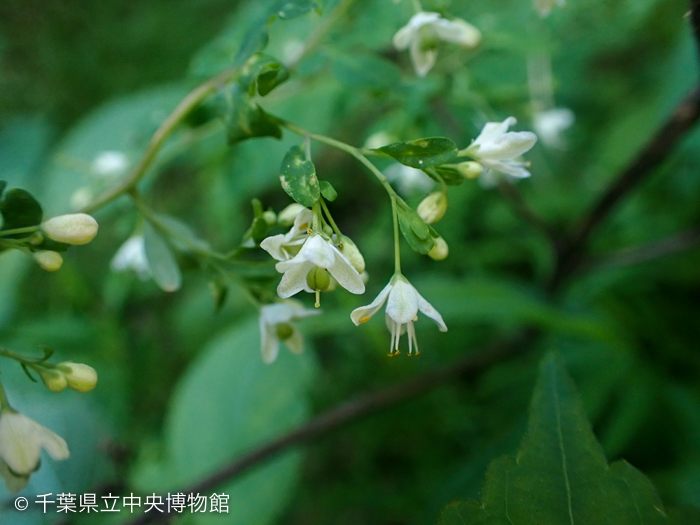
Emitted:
pixel 182 387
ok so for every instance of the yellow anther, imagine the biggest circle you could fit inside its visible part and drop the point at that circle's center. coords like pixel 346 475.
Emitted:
pixel 304 226
pixel 365 319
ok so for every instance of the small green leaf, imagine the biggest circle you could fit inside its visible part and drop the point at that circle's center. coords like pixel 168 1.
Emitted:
pixel 450 175
pixel 560 475
pixel 161 260
pixel 298 178
pixel 26 371
pixel 262 73
pixel 288 9
pixel 19 210
pixel 219 291
pixel 48 352
pixel 414 229
pixel 184 237
pixel 258 230
pixel 422 153
pixel 244 119
pixel 328 191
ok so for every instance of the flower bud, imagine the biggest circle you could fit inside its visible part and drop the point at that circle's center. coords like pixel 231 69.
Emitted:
pixel 54 380
pixel 80 377
pixel 286 216
pixel 318 279
pixel 470 170
pixel 433 207
pixel 350 250
pixel 270 217
pixel 74 228
pixel 48 260
pixel 440 250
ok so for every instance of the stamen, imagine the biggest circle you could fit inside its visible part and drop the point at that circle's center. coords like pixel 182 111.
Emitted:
pixel 318 299
pixel 365 319
pixel 304 227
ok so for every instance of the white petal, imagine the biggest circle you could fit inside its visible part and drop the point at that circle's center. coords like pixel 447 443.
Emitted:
pixel 302 222
pixel 54 444
pixel 295 342
pixel 407 34
pixel 423 60
pixel 364 312
pixel 345 273
pixel 494 129
pixel 319 252
pixel 506 146
pixel 269 344
pixel 457 31
pixel 402 306
pixel 294 279
pixel 273 246
pixel 514 169
pixel 427 309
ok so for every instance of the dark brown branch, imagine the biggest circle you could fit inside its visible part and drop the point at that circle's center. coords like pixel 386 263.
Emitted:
pixel 654 153
pixel 647 252
pixel 352 411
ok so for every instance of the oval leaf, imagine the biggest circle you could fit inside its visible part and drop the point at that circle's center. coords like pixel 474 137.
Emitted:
pixel 415 230
pixel 161 261
pixel 328 191
pixel 298 178
pixel 19 210
pixel 422 153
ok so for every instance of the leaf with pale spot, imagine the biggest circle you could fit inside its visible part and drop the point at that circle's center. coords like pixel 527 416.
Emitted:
pixel 298 178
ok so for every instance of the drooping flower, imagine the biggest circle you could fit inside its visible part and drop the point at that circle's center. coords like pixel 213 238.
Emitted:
pixel 21 441
pixel 315 253
pixel 544 7
pixel 404 303
pixel 424 32
pixel 276 325
pixel 497 149
pixel 132 256
pixel 284 246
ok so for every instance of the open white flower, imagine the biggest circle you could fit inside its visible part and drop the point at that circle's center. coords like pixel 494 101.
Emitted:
pixel 544 7
pixel 275 326
pixel 317 253
pixel 402 308
pixel 132 256
pixel 423 33
pixel 284 246
pixel 21 441
pixel 496 149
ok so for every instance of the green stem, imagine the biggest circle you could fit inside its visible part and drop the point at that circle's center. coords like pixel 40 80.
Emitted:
pixel 330 219
pixel 190 102
pixel 417 7
pixel 26 229
pixel 397 237
pixel 316 217
pixel 4 403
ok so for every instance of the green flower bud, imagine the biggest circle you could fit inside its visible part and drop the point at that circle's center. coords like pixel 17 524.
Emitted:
pixel 36 239
pixel 284 331
pixel 74 228
pixel 440 250
pixel 286 216
pixel 80 377
pixel 318 279
pixel 433 207
pixel 470 170
pixel 48 260
pixel 270 217
pixel 54 380
pixel 350 250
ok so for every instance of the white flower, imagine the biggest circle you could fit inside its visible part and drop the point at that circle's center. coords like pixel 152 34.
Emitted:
pixel 496 149
pixel 423 33
pixel 284 246
pixel 317 253
pixel 275 326
pixel 110 163
pixel 402 308
pixel 550 124
pixel 132 256
pixel 408 180
pixel 543 7
pixel 21 441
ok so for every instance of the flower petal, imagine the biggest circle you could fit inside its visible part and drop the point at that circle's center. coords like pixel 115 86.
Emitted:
pixel 295 342
pixel 273 246
pixel 294 278
pixel 402 306
pixel 319 252
pixel 457 31
pixel 506 146
pixel 494 129
pixel 346 274
pixel 363 313
pixel 54 444
pixel 427 309
pixel 514 169
pixel 407 34
pixel 423 59
pixel 269 343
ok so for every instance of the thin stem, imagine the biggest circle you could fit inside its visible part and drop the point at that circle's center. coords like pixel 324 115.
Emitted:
pixel 417 7
pixel 330 218
pixel 4 403
pixel 26 229
pixel 316 218
pixel 189 103
pixel 397 237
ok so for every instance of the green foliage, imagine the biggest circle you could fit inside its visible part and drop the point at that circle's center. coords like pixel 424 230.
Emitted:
pixel 244 119
pixel 161 260
pixel 298 177
pixel 422 153
pixel 414 229
pixel 328 191
pixel 262 73
pixel 560 475
pixel 19 209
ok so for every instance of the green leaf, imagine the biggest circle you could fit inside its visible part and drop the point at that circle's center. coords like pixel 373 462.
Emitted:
pixel 19 210
pixel 262 73
pixel 183 237
pixel 328 191
pixel 227 403
pixel 422 153
pixel 560 475
pixel 161 260
pixel 244 119
pixel 414 229
pixel 288 9
pixel 298 178
pixel 450 175
pixel 365 71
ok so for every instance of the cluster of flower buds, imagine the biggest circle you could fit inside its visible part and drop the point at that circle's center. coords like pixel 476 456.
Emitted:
pixel 77 376
pixel 74 228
